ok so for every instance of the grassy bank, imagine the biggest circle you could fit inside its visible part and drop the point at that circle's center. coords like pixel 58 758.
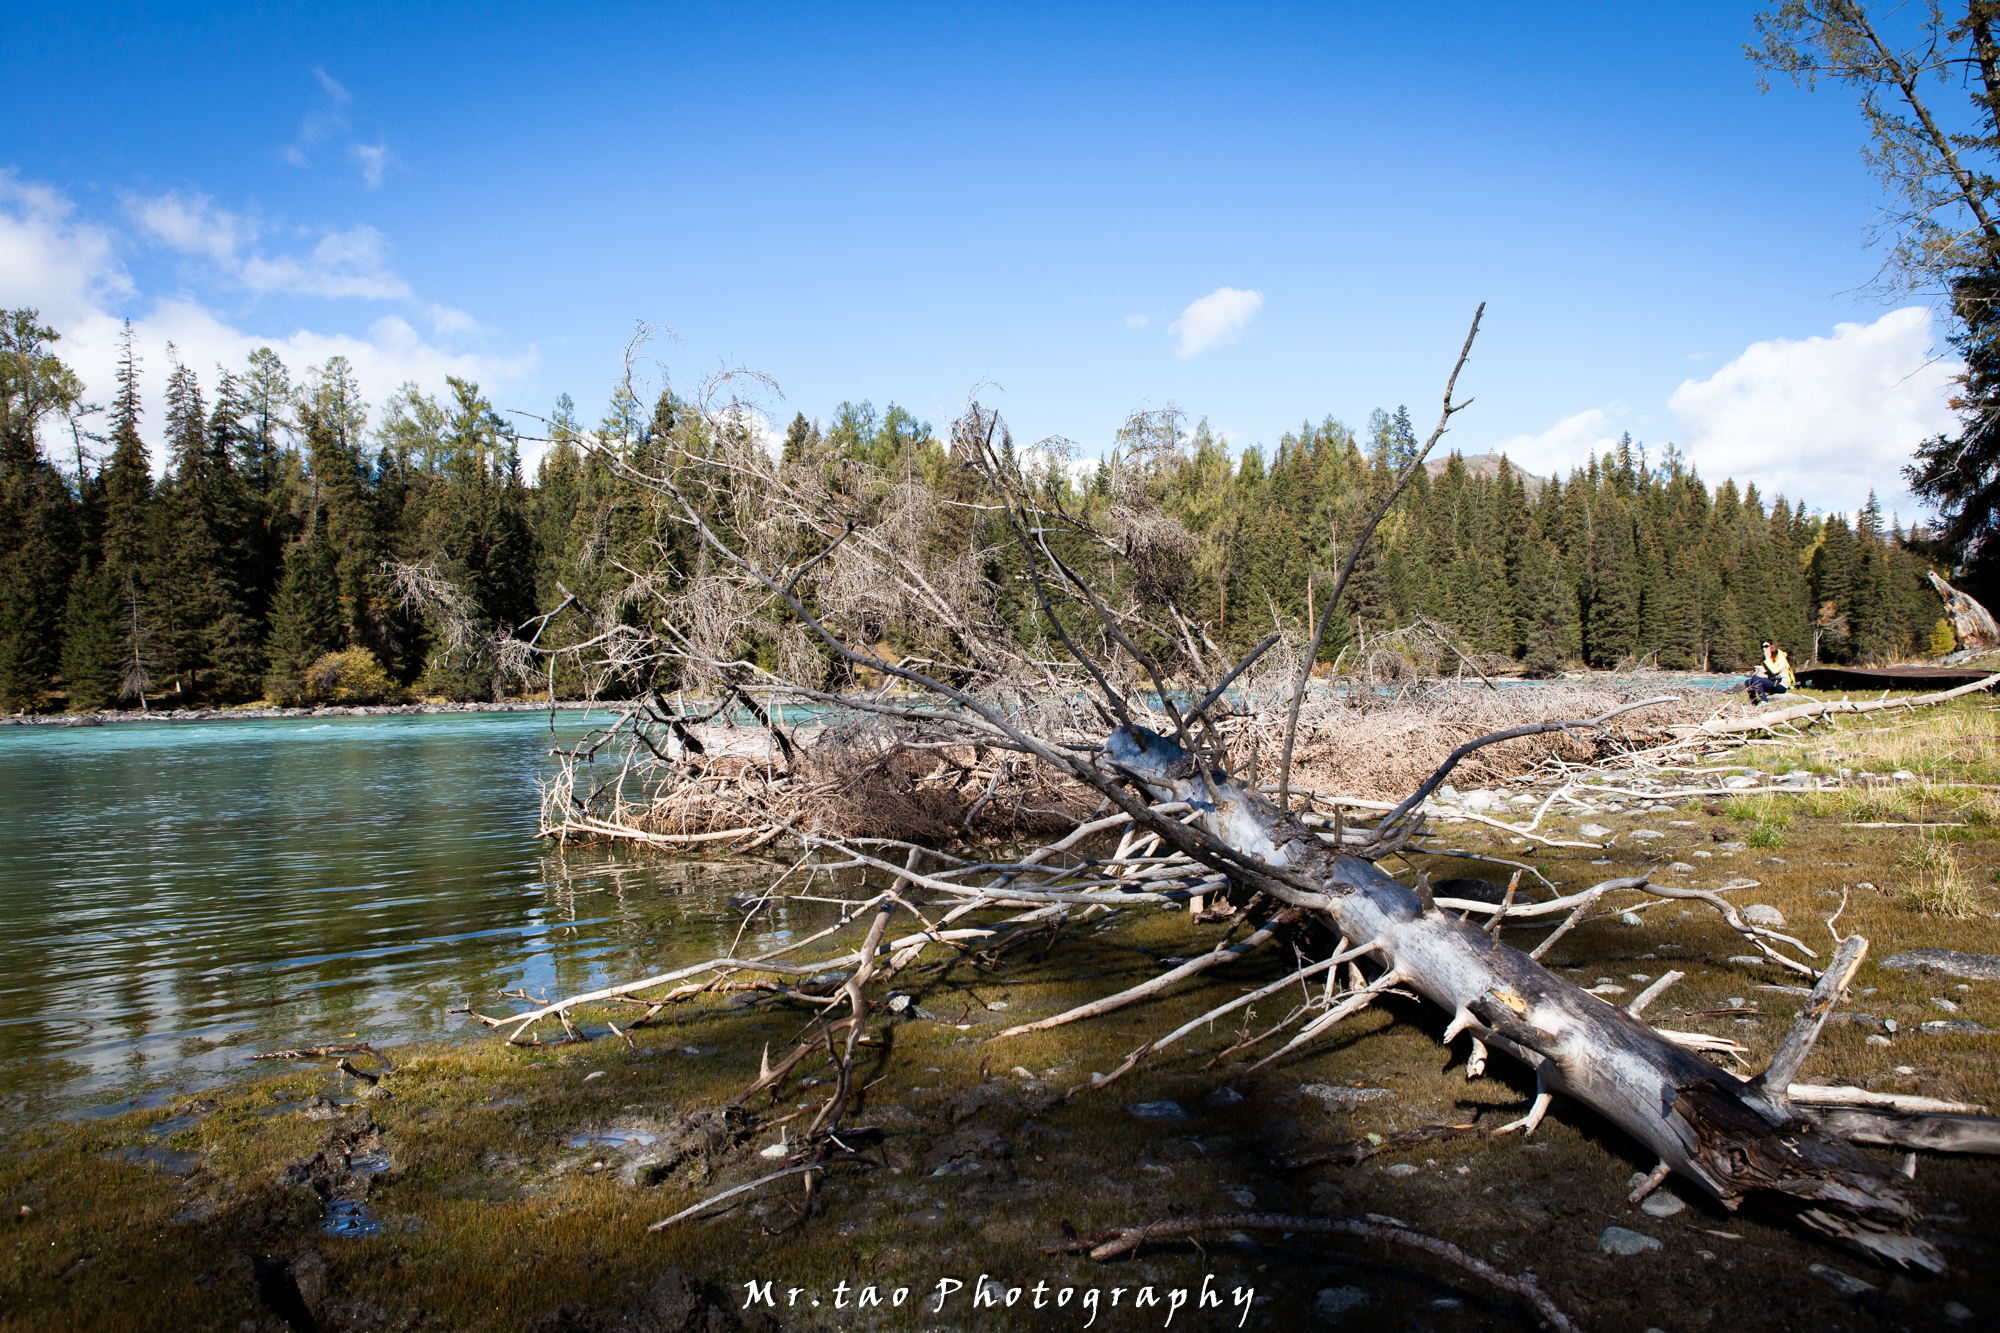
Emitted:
pixel 505 1193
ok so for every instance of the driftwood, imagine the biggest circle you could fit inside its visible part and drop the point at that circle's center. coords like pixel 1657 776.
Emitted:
pixel 1724 1135
pixel 1827 708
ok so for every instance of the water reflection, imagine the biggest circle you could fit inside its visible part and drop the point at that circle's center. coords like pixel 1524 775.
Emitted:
pixel 181 896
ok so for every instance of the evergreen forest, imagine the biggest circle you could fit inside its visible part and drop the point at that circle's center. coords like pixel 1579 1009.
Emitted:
pixel 256 565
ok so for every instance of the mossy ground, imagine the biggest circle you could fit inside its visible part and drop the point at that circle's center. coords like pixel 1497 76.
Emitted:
pixel 489 1219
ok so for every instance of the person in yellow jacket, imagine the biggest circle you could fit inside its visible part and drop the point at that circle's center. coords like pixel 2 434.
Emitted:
pixel 1772 676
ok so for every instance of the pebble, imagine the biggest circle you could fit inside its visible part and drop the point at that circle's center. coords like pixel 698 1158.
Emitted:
pixel 1955 1312
pixel 1680 867
pixel 1402 1169
pixel 595 1073
pixel 1877 1039
pixel 1222 1098
pixel 1647 833
pixel 1594 831
pixel 1763 914
pixel 1661 1204
pixel 1940 1027
pixel 1944 1004
pixel 1619 1240
pixel 1739 782
pixel 1904 775
pixel 996 1006
pixel 1158 1110
pixel 1630 919
pixel 1243 1198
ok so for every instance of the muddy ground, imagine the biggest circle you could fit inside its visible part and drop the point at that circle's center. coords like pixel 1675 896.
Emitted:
pixel 488 1187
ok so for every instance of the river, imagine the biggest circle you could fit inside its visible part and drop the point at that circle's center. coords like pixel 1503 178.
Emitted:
pixel 180 896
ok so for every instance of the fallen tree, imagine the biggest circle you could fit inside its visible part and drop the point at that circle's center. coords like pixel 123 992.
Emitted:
pixel 1111 715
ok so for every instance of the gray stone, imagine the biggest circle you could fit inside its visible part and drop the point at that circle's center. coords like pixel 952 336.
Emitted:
pixel 1904 775
pixel 1337 1302
pixel 1346 1099
pixel 1763 914
pixel 1594 831
pixel 1478 802
pixel 1944 1004
pixel 1158 1110
pixel 1950 962
pixel 1942 1027
pixel 1223 1098
pixel 1618 1240
pixel 1647 833
pixel 1661 1204
pixel 1739 782
pixel 1630 919
pixel 1877 1039
pixel 1401 1170
pixel 1680 867
pixel 1844 1283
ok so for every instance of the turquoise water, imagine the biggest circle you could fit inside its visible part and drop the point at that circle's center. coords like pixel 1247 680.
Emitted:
pixel 181 896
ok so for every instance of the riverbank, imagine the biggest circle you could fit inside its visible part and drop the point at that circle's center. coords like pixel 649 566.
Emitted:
pixel 482 1186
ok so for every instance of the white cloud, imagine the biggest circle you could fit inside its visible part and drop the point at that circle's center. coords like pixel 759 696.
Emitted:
pixel 344 263
pixel 1136 321
pixel 353 262
pixel 1562 446
pixel 1825 420
pixel 51 261
pixel 332 86
pixel 68 268
pixel 319 125
pixel 1216 320
pixel 374 159
pixel 192 224
pixel 444 319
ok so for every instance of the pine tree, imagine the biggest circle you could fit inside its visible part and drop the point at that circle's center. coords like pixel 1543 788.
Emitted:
pixel 90 658
pixel 219 536
pixel 305 619
pixel 128 476
pixel 38 512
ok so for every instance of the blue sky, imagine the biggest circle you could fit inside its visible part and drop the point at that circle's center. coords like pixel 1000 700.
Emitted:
pixel 1260 214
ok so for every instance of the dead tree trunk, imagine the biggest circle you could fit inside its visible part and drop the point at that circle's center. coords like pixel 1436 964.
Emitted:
pixel 1704 1123
pixel 1972 622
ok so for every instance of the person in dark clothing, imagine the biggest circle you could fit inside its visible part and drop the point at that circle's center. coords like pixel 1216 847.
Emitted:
pixel 1771 676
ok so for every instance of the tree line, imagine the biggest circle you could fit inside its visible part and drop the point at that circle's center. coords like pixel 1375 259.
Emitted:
pixel 272 557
